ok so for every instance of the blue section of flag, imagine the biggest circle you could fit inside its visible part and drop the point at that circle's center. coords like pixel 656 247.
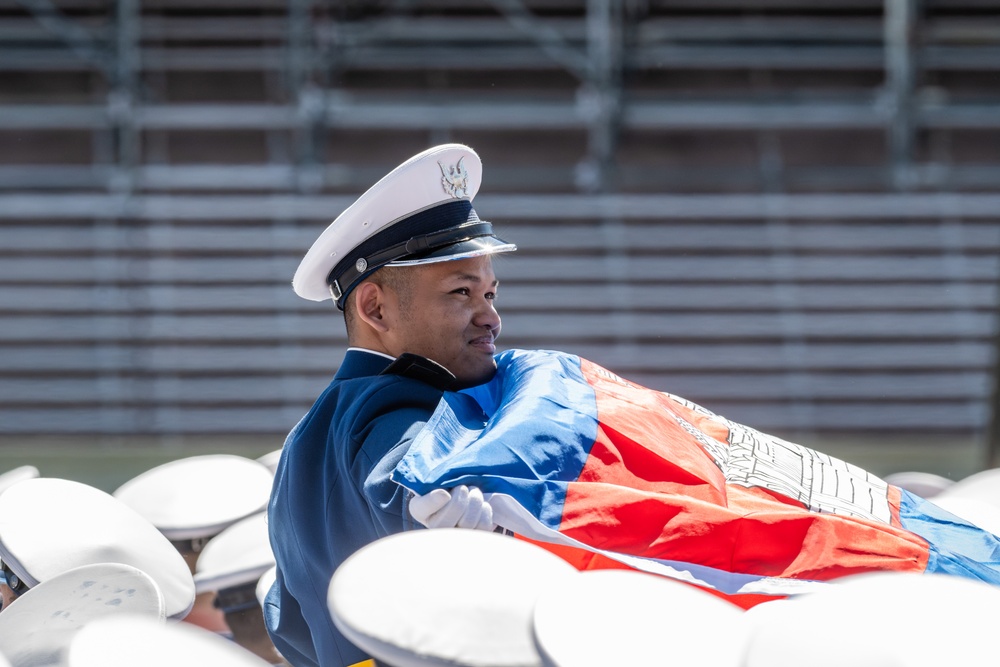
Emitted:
pixel 955 545
pixel 476 438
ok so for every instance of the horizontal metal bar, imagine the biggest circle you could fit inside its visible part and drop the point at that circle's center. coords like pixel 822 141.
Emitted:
pixel 215 28
pixel 746 115
pixel 517 57
pixel 438 29
pixel 722 28
pixel 965 116
pixel 665 178
pixel 530 266
pixel 17 30
pixel 215 117
pixel 714 241
pixel 786 57
pixel 521 207
pixel 477 114
pixel 520 114
pixel 485 29
pixel 53 117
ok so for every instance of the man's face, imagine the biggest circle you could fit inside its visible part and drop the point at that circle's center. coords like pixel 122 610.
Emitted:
pixel 448 316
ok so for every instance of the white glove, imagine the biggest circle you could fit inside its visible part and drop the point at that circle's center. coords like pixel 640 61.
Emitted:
pixel 462 507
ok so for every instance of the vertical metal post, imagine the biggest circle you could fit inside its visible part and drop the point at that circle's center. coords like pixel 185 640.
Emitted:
pixel 295 49
pixel 602 91
pixel 899 35
pixel 309 97
pixel 122 96
pixel 112 239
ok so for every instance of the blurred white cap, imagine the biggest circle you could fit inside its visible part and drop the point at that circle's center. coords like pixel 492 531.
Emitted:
pixel 626 617
pixel 879 619
pixel 49 526
pixel 198 496
pixel 133 641
pixel 459 598
pixel 38 626
pixel 237 556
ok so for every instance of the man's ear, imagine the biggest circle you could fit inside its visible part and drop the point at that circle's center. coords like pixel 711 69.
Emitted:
pixel 369 300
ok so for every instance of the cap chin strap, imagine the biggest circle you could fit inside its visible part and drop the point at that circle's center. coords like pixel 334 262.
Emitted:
pixel 413 246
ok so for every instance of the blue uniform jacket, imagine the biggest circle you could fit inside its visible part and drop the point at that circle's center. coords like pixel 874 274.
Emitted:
pixel 332 495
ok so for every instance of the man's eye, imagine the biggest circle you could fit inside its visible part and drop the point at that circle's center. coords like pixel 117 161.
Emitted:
pixel 491 295
pixel 464 291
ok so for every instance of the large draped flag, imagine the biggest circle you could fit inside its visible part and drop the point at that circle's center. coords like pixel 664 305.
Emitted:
pixel 611 474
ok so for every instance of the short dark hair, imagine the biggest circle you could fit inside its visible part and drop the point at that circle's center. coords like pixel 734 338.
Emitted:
pixel 395 278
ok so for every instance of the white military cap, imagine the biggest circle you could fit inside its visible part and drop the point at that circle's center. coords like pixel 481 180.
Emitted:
pixel 237 556
pixel 626 617
pixel 38 626
pixel 453 598
pixel 198 496
pixel 420 212
pixel 130 640
pixel 49 526
pixel 12 477
pixel 876 619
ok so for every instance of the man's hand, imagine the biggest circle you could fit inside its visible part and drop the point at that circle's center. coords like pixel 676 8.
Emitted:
pixel 461 507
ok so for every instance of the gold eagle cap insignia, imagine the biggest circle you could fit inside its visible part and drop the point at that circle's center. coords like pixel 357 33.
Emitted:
pixel 455 179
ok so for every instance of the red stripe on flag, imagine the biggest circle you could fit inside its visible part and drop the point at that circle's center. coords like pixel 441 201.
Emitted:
pixel 650 489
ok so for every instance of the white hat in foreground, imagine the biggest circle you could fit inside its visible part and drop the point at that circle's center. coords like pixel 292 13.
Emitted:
pixel 625 617
pixel 420 212
pixel 38 626
pixel 49 526
pixel 448 597
pixel 878 619
pixel 131 641
pixel 198 496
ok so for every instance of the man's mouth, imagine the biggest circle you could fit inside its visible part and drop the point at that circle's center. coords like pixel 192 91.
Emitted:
pixel 484 343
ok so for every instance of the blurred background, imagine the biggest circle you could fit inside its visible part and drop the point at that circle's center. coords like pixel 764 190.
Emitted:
pixel 786 211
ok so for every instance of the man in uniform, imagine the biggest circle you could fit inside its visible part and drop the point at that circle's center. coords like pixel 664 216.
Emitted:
pixel 410 265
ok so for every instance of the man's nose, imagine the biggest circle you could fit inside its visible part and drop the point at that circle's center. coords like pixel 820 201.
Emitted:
pixel 487 316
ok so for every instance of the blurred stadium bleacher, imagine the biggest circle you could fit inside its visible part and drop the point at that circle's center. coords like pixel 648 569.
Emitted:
pixel 786 211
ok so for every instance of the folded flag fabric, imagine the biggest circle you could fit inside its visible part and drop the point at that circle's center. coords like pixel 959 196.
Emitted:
pixel 612 474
